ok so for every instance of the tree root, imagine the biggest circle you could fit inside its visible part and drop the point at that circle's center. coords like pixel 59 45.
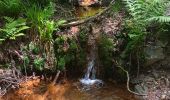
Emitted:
pixel 56 77
pixel 128 79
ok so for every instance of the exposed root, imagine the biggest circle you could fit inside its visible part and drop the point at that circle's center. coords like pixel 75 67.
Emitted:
pixel 52 84
pixel 56 77
pixel 128 79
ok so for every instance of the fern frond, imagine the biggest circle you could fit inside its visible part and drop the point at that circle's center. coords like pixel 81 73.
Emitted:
pixel 13 28
pixel 161 19
pixel 144 10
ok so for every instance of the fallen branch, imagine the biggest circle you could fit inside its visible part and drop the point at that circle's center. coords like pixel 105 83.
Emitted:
pixel 78 22
pixel 128 79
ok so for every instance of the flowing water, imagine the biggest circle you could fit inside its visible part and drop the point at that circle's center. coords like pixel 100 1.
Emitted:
pixel 90 77
pixel 73 89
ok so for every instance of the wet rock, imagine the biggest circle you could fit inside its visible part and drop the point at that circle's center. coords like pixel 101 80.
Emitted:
pixel 141 90
pixel 154 53
pixel 148 79
pixel 137 80
pixel 155 84
pixel 155 74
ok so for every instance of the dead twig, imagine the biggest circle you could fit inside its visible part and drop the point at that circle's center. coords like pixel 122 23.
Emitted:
pixel 8 79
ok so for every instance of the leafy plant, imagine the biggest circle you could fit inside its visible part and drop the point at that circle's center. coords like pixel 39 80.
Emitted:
pixel 142 14
pixel 13 28
pixel 33 48
pixel 117 6
pixel 39 63
pixel 46 30
pixel 106 48
pixel 10 7
pixel 26 61
pixel 65 51
pixel 40 18
pixel 145 10
pixel 41 3
pixel 162 19
pixel 61 63
pixel 38 15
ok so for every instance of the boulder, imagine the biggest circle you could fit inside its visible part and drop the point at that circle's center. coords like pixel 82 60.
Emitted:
pixel 154 53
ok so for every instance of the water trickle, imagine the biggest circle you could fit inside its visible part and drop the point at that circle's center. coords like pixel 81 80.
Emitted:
pixel 90 75
pixel 89 70
pixel 90 80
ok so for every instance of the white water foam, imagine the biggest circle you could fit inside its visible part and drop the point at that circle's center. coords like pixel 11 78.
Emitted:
pixel 89 78
pixel 90 81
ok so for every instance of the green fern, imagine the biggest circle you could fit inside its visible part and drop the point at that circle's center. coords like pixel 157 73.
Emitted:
pixel 147 10
pixel 161 19
pixel 143 13
pixel 13 28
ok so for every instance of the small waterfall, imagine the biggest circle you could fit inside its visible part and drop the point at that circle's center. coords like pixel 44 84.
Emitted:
pixel 90 69
pixel 90 75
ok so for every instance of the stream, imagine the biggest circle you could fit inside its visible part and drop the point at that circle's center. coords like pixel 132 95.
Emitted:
pixel 70 91
pixel 86 88
pixel 107 92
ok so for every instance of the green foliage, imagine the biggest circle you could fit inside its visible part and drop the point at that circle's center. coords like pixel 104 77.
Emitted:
pixel 46 30
pixel 10 7
pixel 38 15
pixel 32 57
pixel 59 52
pixel 41 3
pixel 83 37
pixel 117 6
pixel 61 63
pixel 33 48
pixel 144 10
pixel 135 36
pixel 13 29
pixel 39 63
pixel 163 19
pixel 67 52
pixel 40 18
pixel 26 61
pixel 106 48
pixel 143 13
pixel 72 51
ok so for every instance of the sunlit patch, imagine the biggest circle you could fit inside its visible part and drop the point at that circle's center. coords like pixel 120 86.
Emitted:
pixel 87 2
pixel 83 12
